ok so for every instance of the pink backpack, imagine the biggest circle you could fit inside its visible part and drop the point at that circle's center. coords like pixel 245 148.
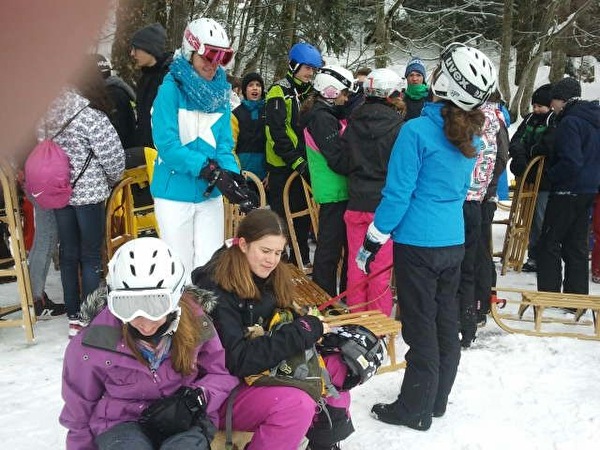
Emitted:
pixel 48 173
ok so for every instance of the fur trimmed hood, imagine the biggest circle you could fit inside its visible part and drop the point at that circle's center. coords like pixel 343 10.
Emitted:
pixel 97 300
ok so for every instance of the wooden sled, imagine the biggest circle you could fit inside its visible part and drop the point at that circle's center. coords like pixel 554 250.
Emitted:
pixel 308 294
pixel 520 218
pixel 543 324
pixel 311 210
pixel 11 214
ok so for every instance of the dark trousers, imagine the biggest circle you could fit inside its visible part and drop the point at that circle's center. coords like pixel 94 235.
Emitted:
pixel 331 245
pixel 565 236
pixel 485 270
pixel 427 280
pixel 466 288
pixel 277 179
pixel 81 234
pixel 131 436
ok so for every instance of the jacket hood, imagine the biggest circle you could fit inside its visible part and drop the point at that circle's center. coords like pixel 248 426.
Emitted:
pixel 118 82
pixel 372 120
pixel 433 110
pixel 97 301
pixel 585 110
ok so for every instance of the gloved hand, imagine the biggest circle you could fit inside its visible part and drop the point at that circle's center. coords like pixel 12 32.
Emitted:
pixel 231 184
pixel 374 239
pixel 301 166
pixel 176 414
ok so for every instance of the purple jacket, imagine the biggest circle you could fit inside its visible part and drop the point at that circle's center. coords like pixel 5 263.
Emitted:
pixel 106 385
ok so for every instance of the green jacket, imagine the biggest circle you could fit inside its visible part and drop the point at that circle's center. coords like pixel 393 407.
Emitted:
pixel 285 146
pixel 328 161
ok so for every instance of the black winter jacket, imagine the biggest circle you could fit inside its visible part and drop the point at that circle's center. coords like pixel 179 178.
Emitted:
pixel 574 166
pixel 368 140
pixel 233 315
pixel 534 137
pixel 123 115
pixel 146 89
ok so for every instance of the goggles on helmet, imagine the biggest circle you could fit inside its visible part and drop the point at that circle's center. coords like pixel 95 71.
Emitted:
pixel 216 55
pixel 351 85
pixel 153 304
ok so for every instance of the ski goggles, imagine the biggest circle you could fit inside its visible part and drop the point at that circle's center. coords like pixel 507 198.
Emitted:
pixel 217 55
pixel 153 304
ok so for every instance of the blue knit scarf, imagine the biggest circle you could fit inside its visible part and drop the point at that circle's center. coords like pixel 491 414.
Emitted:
pixel 206 96
pixel 254 107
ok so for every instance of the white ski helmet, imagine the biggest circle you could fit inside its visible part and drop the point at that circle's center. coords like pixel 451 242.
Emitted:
pixel 206 36
pixel 144 279
pixel 330 81
pixel 383 83
pixel 465 76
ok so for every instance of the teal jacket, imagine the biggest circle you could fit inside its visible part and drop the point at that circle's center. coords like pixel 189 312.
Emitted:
pixel 186 139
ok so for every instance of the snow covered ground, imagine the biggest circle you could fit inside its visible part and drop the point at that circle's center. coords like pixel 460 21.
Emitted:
pixel 512 391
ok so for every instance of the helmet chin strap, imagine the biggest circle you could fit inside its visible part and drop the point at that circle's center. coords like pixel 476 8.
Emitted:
pixel 174 323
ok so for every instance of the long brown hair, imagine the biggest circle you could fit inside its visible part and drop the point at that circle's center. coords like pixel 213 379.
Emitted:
pixel 232 271
pixel 460 126
pixel 185 339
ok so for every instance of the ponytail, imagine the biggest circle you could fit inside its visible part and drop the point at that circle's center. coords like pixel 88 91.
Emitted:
pixel 460 126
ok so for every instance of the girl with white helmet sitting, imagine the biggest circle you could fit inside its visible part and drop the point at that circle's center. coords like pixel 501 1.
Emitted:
pixel 148 370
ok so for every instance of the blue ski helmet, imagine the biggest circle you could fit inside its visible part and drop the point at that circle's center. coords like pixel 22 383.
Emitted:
pixel 304 53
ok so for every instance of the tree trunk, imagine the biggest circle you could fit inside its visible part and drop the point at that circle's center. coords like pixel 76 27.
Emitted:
pixel 380 37
pixel 287 38
pixel 503 80
pixel 129 18
pixel 179 16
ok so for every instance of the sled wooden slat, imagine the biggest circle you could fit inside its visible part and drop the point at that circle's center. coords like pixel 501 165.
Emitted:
pixel 381 325
pixel 233 215
pixel 12 216
pixel 240 439
pixel 311 210
pixel 518 224
pixel 307 294
pixel 540 301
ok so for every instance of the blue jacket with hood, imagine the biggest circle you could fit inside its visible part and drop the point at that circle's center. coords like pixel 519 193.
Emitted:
pixel 426 184
pixel 574 165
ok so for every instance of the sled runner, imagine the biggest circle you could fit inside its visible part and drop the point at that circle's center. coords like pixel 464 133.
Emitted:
pixel 535 313
pixel 11 214
pixel 518 224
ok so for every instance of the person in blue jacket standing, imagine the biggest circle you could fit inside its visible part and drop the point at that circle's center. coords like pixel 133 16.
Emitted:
pixel 427 180
pixel 191 127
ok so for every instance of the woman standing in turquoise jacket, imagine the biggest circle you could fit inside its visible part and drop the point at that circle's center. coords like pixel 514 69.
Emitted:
pixel 427 180
pixel 191 127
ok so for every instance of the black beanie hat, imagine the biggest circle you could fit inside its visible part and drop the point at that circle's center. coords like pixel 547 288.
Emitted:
pixel 252 76
pixel 566 89
pixel 542 95
pixel 151 39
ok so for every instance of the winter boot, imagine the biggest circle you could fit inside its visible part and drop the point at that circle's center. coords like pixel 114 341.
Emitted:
pixel 388 413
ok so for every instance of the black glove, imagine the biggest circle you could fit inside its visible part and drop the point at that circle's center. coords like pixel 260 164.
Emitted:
pixel 172 415
pixel 231 184
pixel 374 240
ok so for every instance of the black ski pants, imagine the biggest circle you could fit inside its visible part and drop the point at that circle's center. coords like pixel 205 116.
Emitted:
pixel 485 270
pixel 331 245
pixel 565 236
pixel 466 288
pixel 427 280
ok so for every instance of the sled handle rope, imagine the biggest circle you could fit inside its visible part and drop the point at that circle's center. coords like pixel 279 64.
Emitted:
pixel 341 295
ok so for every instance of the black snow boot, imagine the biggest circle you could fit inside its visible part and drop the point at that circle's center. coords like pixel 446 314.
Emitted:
pixel 387 412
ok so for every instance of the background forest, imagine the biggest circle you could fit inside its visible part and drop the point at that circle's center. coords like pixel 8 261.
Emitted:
pixel 564 34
